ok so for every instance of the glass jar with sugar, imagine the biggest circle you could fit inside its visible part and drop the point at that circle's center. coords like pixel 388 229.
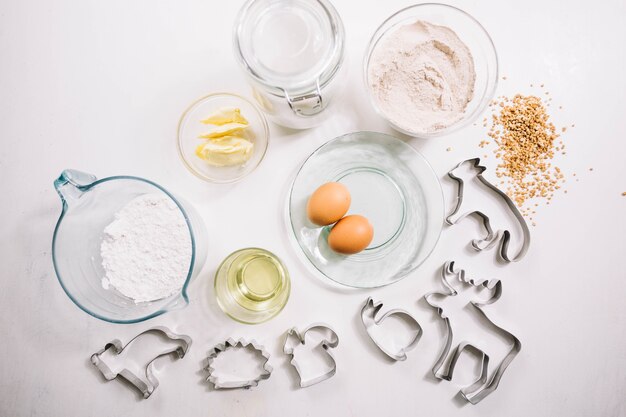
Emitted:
pixel 292 52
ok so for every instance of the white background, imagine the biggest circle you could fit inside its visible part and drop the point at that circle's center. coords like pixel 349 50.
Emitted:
pixel 99 86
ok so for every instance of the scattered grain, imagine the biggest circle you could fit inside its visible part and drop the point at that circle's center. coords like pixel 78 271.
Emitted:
pixel 526 140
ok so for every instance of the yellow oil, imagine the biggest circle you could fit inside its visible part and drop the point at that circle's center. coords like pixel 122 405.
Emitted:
pixel 252 285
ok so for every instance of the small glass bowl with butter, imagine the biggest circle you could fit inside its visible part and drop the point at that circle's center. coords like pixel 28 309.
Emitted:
pixel 222 137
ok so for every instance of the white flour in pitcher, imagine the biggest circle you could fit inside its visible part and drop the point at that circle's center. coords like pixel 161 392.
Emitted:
pixel 146 250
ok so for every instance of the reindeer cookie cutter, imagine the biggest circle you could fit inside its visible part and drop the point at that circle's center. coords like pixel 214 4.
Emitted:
pixel 371 319
pixel 503 236
pixel 326 345
pixel 148 384
pixel 485 384
pixel 218 383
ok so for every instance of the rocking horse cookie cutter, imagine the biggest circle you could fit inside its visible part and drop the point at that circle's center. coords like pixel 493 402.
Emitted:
pixel 230 343
pixel 500 236
pixel 371 319
pixel 444 367
pixel 293 338
pixel 148 384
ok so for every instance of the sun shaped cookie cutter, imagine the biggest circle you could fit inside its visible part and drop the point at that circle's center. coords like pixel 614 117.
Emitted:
pixel 148 384
pixel 370 317
pixel 485 384
pixel 326 345
pixel 502 236
pixel 238 344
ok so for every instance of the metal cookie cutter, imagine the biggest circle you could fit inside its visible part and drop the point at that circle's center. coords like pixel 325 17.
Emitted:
pixel 238 344
pixel 503 236
pixel 487 382
pixel 295 338
pixel 148 384
pixel 371 318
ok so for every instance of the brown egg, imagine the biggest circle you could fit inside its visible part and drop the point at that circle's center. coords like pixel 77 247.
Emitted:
pixel 351 235
pixel 329 203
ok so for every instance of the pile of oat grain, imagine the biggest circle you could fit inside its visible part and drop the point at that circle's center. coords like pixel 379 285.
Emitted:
pixel 526 142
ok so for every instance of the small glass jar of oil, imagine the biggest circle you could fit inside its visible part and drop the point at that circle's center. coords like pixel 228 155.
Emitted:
pixel 252 285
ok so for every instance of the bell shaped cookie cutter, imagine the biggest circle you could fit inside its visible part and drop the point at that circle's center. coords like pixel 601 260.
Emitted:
pixel 371 318
pixel 500 236
pixel 485 384
pixel 238 344
pixel 148 384
pixel 294 337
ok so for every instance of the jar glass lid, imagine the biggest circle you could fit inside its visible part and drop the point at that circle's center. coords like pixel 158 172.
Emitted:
pixel 289 45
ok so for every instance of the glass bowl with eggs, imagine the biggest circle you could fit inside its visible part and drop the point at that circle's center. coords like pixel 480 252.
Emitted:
pixel 365 209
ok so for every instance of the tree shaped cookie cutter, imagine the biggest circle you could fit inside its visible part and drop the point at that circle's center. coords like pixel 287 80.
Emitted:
pixel 148 384
pixel 485 384
pixel 371 318
pixel 326 345
pixel 237 344
pixel 502 236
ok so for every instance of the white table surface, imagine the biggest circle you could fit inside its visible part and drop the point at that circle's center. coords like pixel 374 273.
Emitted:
pixel 99 86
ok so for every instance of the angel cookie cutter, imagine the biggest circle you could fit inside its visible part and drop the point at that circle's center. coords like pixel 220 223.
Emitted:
pixel 502 236
pixel 487 381
pixel 293 339
pixel 261 353
pixel 371 319
pixel 146 383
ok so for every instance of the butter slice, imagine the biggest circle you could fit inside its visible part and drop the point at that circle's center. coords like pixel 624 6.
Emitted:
pixel 225 115
pixel 225 151
pixel 221 131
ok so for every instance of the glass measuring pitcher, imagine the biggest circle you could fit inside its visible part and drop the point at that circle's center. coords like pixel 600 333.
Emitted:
pixel 292 52
pixel 89 205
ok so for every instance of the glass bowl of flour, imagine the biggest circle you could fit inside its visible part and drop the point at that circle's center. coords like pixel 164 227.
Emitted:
pixel 430 69
pixel 124 248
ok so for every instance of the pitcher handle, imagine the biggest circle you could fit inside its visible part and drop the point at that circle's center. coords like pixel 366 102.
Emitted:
pixel 71 184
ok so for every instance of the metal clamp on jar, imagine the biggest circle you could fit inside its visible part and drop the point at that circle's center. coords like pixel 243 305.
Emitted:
pixel 292 52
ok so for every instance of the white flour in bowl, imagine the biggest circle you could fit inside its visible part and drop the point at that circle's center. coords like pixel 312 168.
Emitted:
pixel 422 77
pixel 146 250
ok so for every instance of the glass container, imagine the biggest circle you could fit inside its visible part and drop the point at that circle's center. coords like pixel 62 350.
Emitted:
pixel 88 206
pixel 392 185
pixel 292 52
pixel 252 285
pixel 471 32
pixel 190 127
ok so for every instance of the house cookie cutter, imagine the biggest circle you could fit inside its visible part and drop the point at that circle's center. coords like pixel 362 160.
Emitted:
pixel 326 345
pixel 370 317
pixel 503 236
pixel 148 384
pixel 485 384
pixel 237 344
